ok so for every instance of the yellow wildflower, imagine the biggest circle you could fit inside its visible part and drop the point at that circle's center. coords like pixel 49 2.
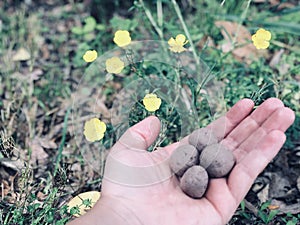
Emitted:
pixel 176 45
pixel 78 202
pixel 261 38
pixel 94 129
pixel 90 55
pixel 122 38
pixel 114 65
pixel 151 102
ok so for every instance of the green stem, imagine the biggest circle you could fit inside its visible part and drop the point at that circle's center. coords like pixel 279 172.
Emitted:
pixel 160 17
pixel 152 21
pixel 186 31
pixel 243 16
pixel 62 143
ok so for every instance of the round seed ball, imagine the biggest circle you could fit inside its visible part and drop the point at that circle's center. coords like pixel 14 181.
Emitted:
pixel 217 160
pixel 183 158
pixel 202 137
pixel 194 182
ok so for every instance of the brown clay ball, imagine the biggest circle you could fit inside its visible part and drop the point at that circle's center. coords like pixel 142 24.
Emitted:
pixel 217 160
pixel 201 138
pixel 183 158
pixel 194 182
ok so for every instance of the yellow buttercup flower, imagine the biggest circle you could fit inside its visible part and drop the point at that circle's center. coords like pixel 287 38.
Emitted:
pixel 114 65
pixel 122 38
pixel 176 45
pixel 151 102
pixel 78 202
pixel 94 129
pixel 90 55
pixel 261 39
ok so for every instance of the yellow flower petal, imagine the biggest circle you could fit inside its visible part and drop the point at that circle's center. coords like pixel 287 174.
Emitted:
pixel 261 38
pixel 77 201
pixel 172 41
pixel 114 65
pixel 177 49
pixel 122 38
pixel 176 45
pixel 151 102
pixel 94 129
pixel 90 56
pixel 264 34
pixel 181 39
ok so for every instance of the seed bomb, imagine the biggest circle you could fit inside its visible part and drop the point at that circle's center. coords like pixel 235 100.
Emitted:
pixel 194 182
pixel 182 158
pixel 202 137
pixel 217 160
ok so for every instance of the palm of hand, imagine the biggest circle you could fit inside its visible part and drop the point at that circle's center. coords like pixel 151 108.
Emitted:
pixel 255 138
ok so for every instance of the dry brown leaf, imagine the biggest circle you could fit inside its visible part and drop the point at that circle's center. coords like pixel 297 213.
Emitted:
pixel 242 49
pixel 205 41
pixel 38 155
pixel 46 143
pixel 284 208
pixel 276 58
pixel 281 5
pixel 35 74
pixel 285 5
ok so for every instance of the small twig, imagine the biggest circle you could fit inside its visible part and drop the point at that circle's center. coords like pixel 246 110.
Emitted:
pixel 251 207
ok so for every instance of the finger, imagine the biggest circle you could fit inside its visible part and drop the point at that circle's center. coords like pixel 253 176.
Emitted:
pixel 130 149
pixel 250 124
pixel 245 172
pixel 224 124
pixel 281 120
pixel 129 164
pixel 233 117
pixel 141 135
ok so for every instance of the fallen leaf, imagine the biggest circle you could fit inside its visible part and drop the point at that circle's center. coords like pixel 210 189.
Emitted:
pixel 273 207
pixel 35 74
pixel 38 155
pixel 21 55
pixel 242 49
pixel 284 208
pixel 276 58
pixel 46 143
pixel 263 195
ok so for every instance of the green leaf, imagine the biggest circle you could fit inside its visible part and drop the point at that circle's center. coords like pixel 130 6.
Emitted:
pixel 291 222
pixel 264 205
pixel 74 210
pixel 243 205
pixel 263 216
pixel 87 202
pixel 272 214
pixel 90 24
pixel 77 30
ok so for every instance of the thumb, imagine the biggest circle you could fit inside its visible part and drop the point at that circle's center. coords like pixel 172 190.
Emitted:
pixel 128 162
pixel 141 135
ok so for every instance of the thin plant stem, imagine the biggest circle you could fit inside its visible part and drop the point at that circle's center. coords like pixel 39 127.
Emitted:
pixel 62 143
pixel 243 17
pixel 160 17
pixel 152 21
pixel 186 31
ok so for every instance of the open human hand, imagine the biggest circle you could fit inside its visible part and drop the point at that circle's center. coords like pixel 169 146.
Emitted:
pixel 139 188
